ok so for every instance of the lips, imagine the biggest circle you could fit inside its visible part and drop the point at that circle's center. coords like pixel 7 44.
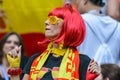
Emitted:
pixel 47 29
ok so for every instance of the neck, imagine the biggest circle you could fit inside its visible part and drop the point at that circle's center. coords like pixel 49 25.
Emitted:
pixel 57 49
pixel 55 45
pixel 90 6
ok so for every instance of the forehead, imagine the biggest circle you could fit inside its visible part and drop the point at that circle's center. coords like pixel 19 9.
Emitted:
pixel 74 1
pixel 13 37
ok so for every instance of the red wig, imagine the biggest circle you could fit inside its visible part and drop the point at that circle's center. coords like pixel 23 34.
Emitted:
pixel 73 28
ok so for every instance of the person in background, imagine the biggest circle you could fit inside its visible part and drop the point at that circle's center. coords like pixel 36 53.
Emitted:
pixel 102 32
pixel 105 71
pixel 9 42
pixel 109 72
pixel 112 8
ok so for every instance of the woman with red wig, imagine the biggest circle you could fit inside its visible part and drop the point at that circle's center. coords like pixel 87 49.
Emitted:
pixel 65 30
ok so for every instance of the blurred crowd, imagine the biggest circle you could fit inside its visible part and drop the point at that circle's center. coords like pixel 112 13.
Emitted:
pixel 99 44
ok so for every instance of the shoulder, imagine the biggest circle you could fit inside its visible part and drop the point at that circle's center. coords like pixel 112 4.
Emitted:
pixel 90 18
pixel 84 57
pixel 84 60
pixel 33 57
pixel 29 63
pixel 24 59
pixel 85 15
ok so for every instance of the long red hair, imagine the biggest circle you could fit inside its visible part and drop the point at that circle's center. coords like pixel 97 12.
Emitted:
pixel 73 29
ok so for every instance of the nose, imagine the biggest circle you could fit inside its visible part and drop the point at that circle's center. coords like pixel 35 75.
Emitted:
pixel 12 45
pixel 47 22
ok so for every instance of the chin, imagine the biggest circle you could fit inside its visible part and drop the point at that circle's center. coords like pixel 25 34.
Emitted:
pixel 50 37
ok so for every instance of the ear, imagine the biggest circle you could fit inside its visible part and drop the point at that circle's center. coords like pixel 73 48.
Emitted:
pixel 74 3
pixel 85 2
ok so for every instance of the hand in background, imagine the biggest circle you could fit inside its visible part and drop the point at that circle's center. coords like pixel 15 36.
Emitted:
pixel 93 70
pixel 14 57
pixel 94 67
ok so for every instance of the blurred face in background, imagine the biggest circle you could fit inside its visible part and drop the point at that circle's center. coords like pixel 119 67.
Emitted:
pixel 10 43
pixel 53 27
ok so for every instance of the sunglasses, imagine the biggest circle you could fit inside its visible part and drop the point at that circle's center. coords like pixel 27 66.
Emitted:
pixel 54 19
